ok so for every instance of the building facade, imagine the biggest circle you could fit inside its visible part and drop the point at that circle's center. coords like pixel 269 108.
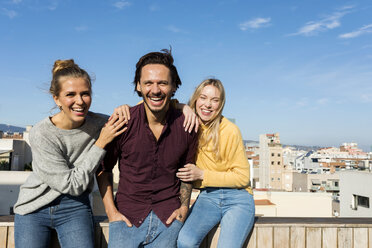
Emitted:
pixel 15 151
pixel 355 193
pixel 271 161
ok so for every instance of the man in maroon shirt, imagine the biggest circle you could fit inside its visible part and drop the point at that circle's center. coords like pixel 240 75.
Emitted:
pixel 154 146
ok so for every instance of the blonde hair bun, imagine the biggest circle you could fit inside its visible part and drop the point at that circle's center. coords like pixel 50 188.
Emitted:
pixel 63 69
pixel 62 64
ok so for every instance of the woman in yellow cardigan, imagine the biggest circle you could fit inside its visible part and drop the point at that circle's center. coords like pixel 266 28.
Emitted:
pixel 221 172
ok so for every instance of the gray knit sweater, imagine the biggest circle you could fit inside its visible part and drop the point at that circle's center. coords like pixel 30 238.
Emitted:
pixel 63 162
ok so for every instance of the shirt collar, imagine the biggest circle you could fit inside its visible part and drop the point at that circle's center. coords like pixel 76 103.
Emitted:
pixel 168 117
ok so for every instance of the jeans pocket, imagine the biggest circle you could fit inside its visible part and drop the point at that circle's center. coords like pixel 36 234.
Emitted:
pixel 116 222
pixel 178 222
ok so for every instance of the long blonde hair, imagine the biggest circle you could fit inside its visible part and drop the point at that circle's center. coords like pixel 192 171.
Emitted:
pixel 213 126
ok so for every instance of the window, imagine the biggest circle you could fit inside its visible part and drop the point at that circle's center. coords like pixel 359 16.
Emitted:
pixel 336 184
pixel 363 201
pixel 4 165
pixel 272 154
pixel 278 162
pixel 315 182
pixel 272 179
pixel 278 178
pixel 359 201
pixel 278 154
pixel 272 162
pixel 6 161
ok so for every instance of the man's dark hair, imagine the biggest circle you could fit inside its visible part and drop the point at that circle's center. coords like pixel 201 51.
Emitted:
pixel 164 58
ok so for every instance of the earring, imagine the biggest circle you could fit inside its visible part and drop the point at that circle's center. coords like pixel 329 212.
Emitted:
pixel 60 107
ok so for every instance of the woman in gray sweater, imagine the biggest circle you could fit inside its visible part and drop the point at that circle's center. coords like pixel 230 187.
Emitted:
pixel 66 150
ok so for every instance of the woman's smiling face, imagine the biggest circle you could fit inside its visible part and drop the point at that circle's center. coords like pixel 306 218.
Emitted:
pixel 74 100
pixel 208 103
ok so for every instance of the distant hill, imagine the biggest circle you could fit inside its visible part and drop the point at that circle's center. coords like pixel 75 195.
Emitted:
pixel 251 142
pixel 305 148
pixel 299 147
pixel 11 129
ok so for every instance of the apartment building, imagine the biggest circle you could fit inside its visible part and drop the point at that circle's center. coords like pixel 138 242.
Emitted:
pixel 271 161
pixel 15 151
pixel 252 152
pixel 355 193
pixel 331 159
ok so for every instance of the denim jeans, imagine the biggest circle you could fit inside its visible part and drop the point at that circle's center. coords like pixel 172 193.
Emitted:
pixel 70 216
pixel 151 233
pixel 233 208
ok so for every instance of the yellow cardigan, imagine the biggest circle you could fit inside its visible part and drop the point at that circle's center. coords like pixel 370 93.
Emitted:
pixel 232 171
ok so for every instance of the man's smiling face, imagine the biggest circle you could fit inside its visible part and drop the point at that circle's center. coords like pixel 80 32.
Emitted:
pixel 156 87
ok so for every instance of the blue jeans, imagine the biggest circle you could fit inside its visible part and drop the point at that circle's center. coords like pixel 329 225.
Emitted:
pixel 151 233
pixel 233 208
pixel 70 216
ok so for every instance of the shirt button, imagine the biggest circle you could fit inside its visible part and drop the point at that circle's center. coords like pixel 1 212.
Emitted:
pixel 140 221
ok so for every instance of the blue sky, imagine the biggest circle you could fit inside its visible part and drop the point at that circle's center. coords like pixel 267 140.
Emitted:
pixel 300 68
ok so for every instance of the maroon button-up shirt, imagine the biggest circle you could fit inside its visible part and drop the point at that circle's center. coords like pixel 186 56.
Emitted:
pixel 148 166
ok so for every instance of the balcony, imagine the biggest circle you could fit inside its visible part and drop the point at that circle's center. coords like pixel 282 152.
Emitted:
pixel 268 232
pixel 315 188
pixel 274 145
pixel 327 188
pixel 330 188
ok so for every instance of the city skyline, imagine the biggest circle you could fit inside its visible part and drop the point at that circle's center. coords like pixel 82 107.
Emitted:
pixel 302 69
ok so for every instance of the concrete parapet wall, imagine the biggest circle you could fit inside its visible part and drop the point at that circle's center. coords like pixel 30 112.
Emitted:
pixel 268 232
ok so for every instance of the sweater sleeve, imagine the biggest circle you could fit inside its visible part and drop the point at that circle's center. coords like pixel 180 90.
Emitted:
pixel 52 167
pixel 236 174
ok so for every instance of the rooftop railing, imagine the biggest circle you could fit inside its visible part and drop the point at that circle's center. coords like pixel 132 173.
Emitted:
pixel 268 232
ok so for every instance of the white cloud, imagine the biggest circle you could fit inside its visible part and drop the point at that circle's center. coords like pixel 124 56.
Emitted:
pixel 121 4
pixel 325 24
pixel 322 101
pixel 366 98
pixel 9 13
pixel 53 5
pixel 303 102
pixel 367 46
pixel 349 82
pixel 154 8
pixel 347 7
pixel 174 29
pixel 16 1
pixel 81 28
pixel 255 23
pixel 363 30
